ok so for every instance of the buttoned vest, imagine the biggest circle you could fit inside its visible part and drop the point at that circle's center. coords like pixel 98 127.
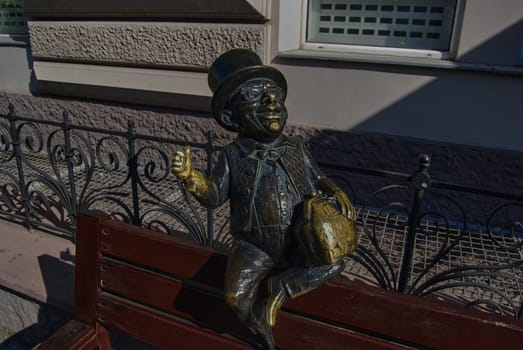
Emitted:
pixel 244 175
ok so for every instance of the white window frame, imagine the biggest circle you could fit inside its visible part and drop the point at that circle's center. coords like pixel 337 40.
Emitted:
pixel 13 34
pixel 292 31
pixel 9 39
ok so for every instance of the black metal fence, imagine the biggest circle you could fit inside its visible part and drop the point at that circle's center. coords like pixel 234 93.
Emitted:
pixel 415 232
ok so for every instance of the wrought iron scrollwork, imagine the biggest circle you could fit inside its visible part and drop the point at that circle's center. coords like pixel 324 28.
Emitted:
pixel 57 169
pixel 416 235
pixel 438 254
pixel 105 178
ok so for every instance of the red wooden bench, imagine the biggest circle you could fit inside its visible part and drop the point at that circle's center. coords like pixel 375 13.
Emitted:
pixel 168 292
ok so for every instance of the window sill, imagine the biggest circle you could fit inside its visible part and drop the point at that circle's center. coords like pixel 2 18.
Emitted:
pixel 399 61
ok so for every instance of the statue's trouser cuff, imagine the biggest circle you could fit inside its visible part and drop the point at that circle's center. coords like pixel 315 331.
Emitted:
pixel 300 280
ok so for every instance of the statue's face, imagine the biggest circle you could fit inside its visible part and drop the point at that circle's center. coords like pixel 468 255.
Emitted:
pixel 259 108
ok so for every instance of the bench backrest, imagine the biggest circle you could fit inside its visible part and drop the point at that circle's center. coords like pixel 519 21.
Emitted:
pixel 169 292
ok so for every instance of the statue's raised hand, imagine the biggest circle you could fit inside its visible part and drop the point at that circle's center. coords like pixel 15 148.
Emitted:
pixel 181 165
pixel 194 181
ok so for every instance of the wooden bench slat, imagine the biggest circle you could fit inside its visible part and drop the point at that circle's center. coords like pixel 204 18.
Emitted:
pixel 400 316
pixel 208 308
pixel 200 304
pixel 295 332
pixel 159 329
pixel 73 335
pixel 163 290
pixel 178 257
pixel 409 318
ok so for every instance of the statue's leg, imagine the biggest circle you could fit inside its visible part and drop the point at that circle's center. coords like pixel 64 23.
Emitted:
pixel 246 268
pixel 296 281
pixel 300 280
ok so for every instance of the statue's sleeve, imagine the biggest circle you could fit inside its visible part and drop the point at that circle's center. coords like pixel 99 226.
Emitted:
pixel 215 189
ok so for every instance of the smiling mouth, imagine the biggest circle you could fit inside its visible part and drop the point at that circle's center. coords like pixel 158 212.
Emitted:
pixel 270 116
pixel 271 121
pixel 271 112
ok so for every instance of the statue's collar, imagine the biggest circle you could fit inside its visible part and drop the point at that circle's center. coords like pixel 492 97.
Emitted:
pixel 247 145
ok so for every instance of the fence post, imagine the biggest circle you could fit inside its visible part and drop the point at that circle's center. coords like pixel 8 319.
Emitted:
pixel 420 180
pixel 209 149
pixel 15 138
pixel 66 127
pixel 133 172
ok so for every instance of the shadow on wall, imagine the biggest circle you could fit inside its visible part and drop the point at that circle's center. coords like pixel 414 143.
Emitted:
pixel 33 83
pixel 474 108
pixel 501 49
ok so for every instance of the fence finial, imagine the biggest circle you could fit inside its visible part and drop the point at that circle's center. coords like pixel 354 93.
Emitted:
pixel 424 161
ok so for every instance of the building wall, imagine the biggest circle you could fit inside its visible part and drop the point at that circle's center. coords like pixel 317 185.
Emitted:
pixel 492 32
pixel 158 56
pixel 471 108
pixel 16 73
pixel 474 99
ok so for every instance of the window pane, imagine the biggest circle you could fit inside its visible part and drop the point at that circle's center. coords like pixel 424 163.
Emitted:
pixel 12 19
pixel 415 24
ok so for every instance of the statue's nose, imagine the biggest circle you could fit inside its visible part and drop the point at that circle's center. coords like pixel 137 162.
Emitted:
pixel 269 97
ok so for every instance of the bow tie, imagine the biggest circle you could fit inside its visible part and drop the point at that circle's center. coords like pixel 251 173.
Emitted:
pixel 269 154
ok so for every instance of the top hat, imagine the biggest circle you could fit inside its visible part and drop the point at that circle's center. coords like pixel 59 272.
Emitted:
pixel 232 69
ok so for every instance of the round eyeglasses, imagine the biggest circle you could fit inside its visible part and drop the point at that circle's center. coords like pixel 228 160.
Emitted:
pixel 256 90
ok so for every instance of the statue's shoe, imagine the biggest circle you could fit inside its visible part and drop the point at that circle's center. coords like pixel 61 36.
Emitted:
pixel 258 325
pixel 276 299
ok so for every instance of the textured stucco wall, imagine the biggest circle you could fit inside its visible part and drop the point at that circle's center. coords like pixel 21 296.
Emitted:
pixel 171 44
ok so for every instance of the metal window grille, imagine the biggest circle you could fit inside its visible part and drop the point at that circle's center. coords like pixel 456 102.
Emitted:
pixel 413 24
pixel 12 19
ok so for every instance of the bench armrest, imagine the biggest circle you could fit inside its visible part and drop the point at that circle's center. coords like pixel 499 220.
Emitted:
pixel 76 335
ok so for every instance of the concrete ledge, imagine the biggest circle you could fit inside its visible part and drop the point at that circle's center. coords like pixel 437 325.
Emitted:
pixel 239 10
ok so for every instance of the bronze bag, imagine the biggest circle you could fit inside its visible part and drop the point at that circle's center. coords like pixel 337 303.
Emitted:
pixel 323 233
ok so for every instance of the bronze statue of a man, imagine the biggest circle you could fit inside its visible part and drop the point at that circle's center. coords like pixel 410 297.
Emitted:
pixel 272 183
